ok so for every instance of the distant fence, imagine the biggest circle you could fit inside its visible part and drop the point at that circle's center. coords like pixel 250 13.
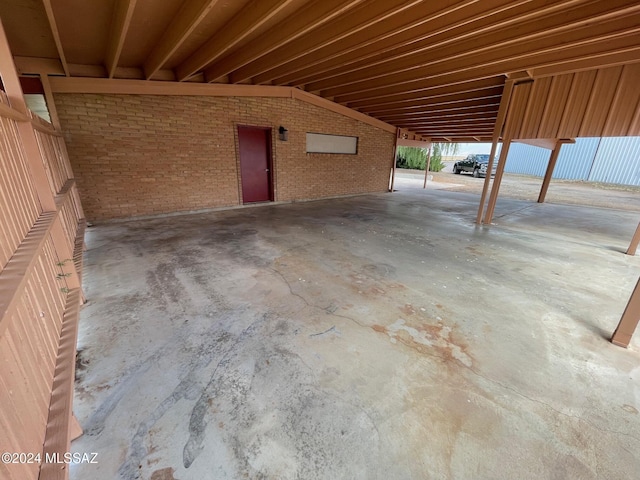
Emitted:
pixel 608 160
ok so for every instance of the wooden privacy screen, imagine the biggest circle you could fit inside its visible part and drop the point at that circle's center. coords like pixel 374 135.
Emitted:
pixel 41 231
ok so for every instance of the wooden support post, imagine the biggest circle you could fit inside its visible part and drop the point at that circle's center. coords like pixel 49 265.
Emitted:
pixel 634 242
pixel 487 180
pixel 395 159
pixel 629 321
pixel 495 188
pixel 497 132
pixel 553 158
pixel 555 153
pixel 426 168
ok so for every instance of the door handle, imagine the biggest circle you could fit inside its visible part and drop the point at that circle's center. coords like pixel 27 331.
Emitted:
pixel 266 169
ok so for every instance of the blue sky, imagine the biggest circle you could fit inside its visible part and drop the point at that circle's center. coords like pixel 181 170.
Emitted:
pixel 467 148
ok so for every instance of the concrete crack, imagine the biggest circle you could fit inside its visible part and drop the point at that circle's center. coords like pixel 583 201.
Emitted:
pixel 311 305
pixel 332 329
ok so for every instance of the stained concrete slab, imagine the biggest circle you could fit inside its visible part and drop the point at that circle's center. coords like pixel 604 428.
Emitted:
pixel 373 337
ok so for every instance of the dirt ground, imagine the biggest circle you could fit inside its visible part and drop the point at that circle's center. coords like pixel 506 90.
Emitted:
pixel 526 187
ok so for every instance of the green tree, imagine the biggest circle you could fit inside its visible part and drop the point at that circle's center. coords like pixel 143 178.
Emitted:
pixel 412 157
pixel 416 158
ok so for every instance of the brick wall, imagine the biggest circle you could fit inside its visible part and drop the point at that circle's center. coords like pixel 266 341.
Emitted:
pixel 144 154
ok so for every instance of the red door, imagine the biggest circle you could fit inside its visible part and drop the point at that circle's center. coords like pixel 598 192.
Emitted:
pixel 255 164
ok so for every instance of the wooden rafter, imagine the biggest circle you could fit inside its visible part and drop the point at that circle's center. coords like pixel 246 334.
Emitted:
pixel 394 31
pixel 492 20
pixel 123 11
pixel 469 105
pixel 56 34
pixel 452 92
pixel 449 114
pixel 316 14
pixel 355 20
pixel 484 66
pixel 479 18
pixel 448 127
pixel 607 59
pixel 239 28
pixel 416 89
pixel 185 22
pixel 514 54
pixel 406 62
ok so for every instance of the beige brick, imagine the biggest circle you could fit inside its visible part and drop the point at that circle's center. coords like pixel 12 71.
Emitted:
pixel 145 154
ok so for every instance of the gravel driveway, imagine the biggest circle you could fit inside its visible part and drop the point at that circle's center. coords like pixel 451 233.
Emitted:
pixel 526 187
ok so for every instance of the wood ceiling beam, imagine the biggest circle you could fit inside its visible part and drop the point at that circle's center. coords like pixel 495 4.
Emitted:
pixel 517 39
pixel 396 30
pixel 434 130
pixel 589 62
pixel 56 34
pixel 242 25
pixel 451 117
pixel 122 13
pixel 458 123
pixel 436 108
pixel 142 87
pixel 472 124
pixel 449 123
pixel 452 133
pixel 464 139
pixel 478 20
pixel 444 131
pixel 484 66
pixel 185 22
pixel 427 132
pixel 100 71
pixel 354 21
pixel 36 65
pixel 476 105
pixel 312 16
pixel 440 93
pixel 467 139
pixel 418 88
pixel 446 134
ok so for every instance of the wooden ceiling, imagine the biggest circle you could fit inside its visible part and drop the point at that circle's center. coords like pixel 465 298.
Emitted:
pixel 435 68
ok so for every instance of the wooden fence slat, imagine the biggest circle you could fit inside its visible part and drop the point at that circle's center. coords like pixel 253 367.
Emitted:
pixel 41 238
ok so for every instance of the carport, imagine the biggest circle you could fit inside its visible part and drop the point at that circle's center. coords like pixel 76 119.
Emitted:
pixel 300 321
pixel 364 336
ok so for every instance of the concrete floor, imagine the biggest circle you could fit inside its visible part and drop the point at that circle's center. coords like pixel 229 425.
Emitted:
pixel 373 337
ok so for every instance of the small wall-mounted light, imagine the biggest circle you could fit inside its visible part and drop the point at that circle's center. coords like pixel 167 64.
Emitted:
pixel 283 133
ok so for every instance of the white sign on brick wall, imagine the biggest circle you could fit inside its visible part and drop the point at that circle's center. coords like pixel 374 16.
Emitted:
pixel 322 143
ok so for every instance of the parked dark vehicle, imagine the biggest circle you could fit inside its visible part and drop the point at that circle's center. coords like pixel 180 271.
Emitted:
pixel 475 164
